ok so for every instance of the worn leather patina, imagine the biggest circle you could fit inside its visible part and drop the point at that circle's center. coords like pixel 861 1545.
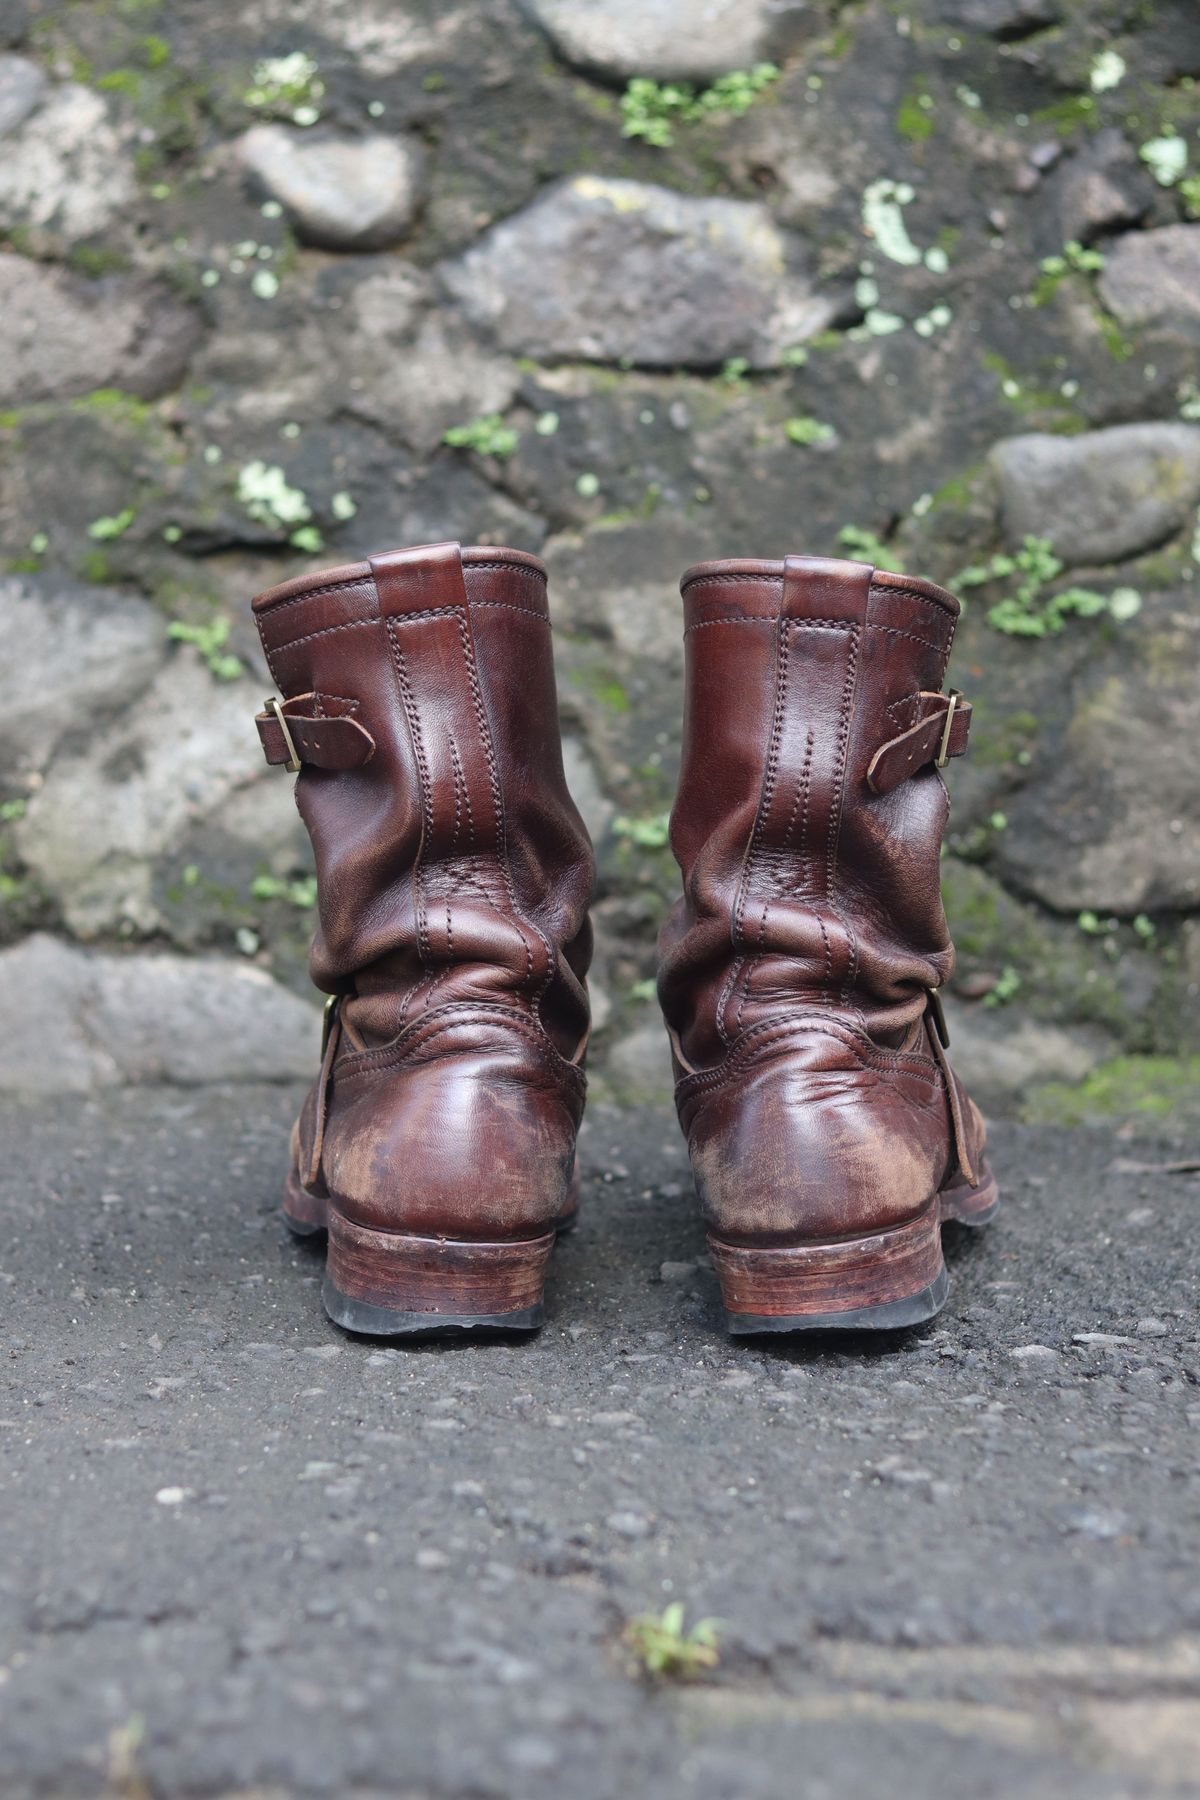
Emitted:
pixel 416 696
pixel 797 969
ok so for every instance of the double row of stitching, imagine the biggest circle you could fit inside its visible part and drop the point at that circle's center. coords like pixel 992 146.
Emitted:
pixel 759 1039
pixel 530 612
pixel 440 1019
pixel 878 588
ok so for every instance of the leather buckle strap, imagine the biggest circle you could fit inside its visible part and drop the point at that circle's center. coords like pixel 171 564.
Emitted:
pixel 941 731
pixel 293 738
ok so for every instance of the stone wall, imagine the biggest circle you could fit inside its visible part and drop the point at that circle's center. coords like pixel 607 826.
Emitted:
pixel 286 283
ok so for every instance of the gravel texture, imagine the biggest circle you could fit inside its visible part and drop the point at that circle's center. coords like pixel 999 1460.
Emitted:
pixel 242 1554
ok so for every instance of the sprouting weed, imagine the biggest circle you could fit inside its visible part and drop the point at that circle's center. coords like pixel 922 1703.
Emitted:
pixel 209 640
pixel 665 1650
pixel 650 109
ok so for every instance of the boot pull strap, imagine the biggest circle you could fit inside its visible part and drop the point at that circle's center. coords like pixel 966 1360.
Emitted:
pixel 939 1039
pixel 296 738
pixel 941 731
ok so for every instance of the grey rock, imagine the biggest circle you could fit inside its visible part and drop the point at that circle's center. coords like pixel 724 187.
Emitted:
pixel 585 789
pixel 1001 18
pixel 22 84
pixel 639 1064
pixel 66 172
pixel 1002 1055
pixel 1114 821
pixel 622 581
pixel 1101 188
pixel 107 810
pixel 613 270
pixel 1153 278
pixel 679 40
pixel 67 336
pixel 340 193
pixel 1102 496
pixel 419 382
pixel 106 1020
pixel 84 652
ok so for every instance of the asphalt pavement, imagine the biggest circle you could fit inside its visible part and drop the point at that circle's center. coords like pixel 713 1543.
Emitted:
pixel 243 1554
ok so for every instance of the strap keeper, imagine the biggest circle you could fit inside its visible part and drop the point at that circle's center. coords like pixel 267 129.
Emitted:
pixel 271 704
pixel 943 755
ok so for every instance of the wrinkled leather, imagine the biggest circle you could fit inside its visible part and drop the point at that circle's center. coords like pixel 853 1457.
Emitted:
pixel 795 969
pixel 454 876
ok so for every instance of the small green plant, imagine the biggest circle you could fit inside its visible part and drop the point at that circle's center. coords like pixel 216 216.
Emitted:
pixel 12 810
pixel 808 431
pixel 287 84
pixel 650 109
pixel 644 990
pixel 665 1650
pixel 1028 610
pixel 116 526
pixel 210 641
pixel 263 489
pixel 1144 927
pixel 488 436
pixel 865 546
pixel 648 834
pixel 300 892
pixel 733 372
pixel 1166 158
pixel 1074 259
pixel 1005 988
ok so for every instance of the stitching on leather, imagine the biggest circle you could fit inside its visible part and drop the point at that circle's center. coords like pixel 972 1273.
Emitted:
pixel 915 594
pixel 759 1038
pixel 500 562
pixel 336 587
pixel 509 606
pixel 485 737
pixel 802 794
pixel 472 562
pixel 766 797
pixel 409 705
pixel 941 650
pixel 876 589
pixel 325 631
pixel 385 1056
pixel 834 834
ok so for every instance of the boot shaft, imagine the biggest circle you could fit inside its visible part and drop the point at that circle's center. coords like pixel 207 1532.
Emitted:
pixel 809 815
pixel 452 866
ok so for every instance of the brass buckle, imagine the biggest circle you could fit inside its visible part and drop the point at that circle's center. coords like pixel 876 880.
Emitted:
pixel 939 1017
pixel 943 755
pixel 293 762
pixel 328 1014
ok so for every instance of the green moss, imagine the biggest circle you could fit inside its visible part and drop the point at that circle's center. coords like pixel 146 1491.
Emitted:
pixel 1119 347
pixel 1065 977
pixel 999 743
pixel 121 81
pixel 1072 113
pixel 914 116
pixel 1127 1089
pixel 603 685
pixel 94 260
pixel 95 566
pixel 116 404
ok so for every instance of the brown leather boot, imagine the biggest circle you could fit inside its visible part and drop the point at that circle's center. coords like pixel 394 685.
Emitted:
pixel 437 1146
pixel 799 972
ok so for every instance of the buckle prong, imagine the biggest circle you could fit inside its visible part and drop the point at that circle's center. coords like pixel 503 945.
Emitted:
pixel 943 755
pixel 293 761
